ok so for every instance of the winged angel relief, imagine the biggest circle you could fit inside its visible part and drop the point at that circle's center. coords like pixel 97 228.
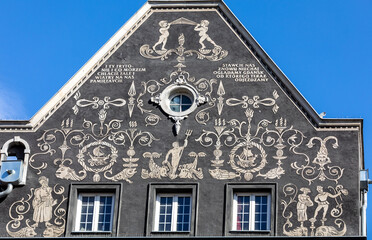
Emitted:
pixel 97 143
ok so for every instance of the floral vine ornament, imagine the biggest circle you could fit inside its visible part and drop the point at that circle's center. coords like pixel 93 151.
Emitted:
pixel 311 172
pixel 71 137
pixel 305 203
pixel 96 103
pixel 119 138
pixel 202 117
pixel 280 138
pixel 151 86
pixel 245 156
pixel 224 135
pixel 41 202
pixel 255 102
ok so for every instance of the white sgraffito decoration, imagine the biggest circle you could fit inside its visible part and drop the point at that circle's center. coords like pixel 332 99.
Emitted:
pixel 170 167
pixel 317 204
pixel 46 210
pixel 212 52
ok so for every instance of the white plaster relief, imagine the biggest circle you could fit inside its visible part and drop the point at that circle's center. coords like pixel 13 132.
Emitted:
pixel 170 167
pixel 220 93
pixel 46 210
pixel 215 53
pixel 319 168
pixel 247 155
pixel 132 93
pixel 306 202
pixel 97 143
pixel 180 81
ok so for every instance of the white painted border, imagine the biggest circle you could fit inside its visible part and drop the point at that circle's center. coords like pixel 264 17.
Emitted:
pixel 91 65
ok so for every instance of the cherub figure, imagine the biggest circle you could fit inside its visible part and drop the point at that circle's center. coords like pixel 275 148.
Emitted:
pixel 164 33
pixel 202 28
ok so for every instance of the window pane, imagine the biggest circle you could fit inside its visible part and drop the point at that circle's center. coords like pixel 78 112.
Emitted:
pixel 178 222
pixel 261 205
pixel 176 99
pixel 86 213
pixel 105 216
pixel 186 100
pixel 165 213
pixel 175 108
pixel 185 107
pixel 242 221
pixel 89 227
pixel 183 215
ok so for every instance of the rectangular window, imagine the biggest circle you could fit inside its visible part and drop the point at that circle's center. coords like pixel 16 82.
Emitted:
pixel 94 213
pixel 250 209
pixel 172 213
pixel 93 210
pixel 251 212
pixel 172 209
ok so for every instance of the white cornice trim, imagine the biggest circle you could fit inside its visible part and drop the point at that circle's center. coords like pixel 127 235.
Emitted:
pixel 71 86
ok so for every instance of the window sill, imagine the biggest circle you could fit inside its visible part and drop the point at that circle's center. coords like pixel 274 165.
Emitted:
pixel 91 232
pixel 245 231
pixel 171 232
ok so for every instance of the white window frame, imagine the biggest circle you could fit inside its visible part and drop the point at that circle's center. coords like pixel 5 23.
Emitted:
pixel 96 206
pixel 174 211
pixel 252 211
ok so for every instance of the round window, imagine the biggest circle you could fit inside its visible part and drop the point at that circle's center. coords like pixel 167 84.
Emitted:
pixel 180 103
pixel 178 100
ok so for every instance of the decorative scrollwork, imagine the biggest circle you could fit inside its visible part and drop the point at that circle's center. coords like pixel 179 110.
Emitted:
pixel 42 202
pixel 311 172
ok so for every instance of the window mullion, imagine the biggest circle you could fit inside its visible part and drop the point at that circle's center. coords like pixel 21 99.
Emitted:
pixel 174 213
pixel 112 212
pixel 95 213
pixel 157 213
pixel 268 212
pixel 235 212
pixel 79 209
pixel 252 212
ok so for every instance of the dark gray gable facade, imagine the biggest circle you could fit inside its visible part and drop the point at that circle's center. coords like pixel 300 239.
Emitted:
pixel 182 103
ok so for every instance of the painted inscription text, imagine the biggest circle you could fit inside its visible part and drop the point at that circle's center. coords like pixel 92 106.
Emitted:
pixel 116 73
pixel 241 72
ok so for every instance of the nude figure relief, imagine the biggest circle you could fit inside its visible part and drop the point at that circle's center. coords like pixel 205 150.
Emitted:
pixel 170 166
pixel 211 51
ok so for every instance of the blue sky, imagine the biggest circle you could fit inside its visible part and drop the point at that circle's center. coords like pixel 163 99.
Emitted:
pixel 323 46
